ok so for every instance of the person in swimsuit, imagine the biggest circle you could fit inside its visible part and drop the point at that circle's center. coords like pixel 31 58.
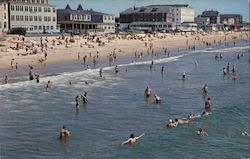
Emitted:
pixel 132 139
pixel 64 133
pixel 208 104
pixel 201 132
pixel 148 92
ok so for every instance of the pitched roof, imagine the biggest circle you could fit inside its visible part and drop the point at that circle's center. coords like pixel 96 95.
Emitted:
pixel 79 7
pixel 68 7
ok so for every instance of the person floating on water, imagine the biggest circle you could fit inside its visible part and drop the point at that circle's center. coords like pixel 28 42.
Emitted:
pixel 171 124
pixel 148 92
pixel 157 99
pixel 84 98
pixel 201 132
pixel 132 139
pixel 205 89
pixel 208 105
pixel 235 77
pixel 64 133
pixel 245 133
pixel 228 67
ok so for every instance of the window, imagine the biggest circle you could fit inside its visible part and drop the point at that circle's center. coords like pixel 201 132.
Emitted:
pixel 35 9
pixel 17 8
pixel 42 1
pixel 5 16
pixel 54 10
pixel 12 7
pixel 109 18
pixel 38 1
pixel 35 18
pixel 39 9
pixel 30 8
pixel 4 6
pixel 12 17
pixel 31 18
pixel 49 19
pixel 26 18
pixel 105 18
pixel 26 8
pixel 40 18
pixel 4 25
pixel 51 28
pixel 17 18
pixel 47 27
pixel 45 19
pixel 45 9
pixel 21 8
pixel 33 1
pixel 49 9
pixel 40 27
pixel 54 19
pixel 21 17
pixel 35 27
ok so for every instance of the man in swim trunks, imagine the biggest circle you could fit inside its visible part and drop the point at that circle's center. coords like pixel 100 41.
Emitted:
pixel 132 139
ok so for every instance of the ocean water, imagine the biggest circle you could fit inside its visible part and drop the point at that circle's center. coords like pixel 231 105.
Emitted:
pixel 30 119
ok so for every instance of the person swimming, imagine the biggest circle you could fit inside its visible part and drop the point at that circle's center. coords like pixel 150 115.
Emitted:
pixel 201 132
pixel 116 69
pixel 235 77
pixel 47 86
pixel 64 133
pixel 183 75
pixel 208 104
pixel 132 139
pixel 84 98
pixel 77 99
pixel 171 124
pixel 205 89
pixel 157 99
pixel 148 92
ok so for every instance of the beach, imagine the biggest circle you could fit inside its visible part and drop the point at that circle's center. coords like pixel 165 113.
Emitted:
pixel 123 44
pixel 31 116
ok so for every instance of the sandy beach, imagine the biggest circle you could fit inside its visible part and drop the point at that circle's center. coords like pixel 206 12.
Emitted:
pixel 33 50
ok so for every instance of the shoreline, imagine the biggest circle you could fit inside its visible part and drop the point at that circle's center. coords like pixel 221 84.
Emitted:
pixel 120 45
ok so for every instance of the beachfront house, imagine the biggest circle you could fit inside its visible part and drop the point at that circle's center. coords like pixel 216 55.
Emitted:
pixel 85 21
pixel 156 17
pixel 36 16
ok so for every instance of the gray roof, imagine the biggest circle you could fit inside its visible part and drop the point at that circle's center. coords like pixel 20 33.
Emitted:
pixel 152 9
pixel 209 13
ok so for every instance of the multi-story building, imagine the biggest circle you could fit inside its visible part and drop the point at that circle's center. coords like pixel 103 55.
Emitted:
pixel 156 17
pixel 231 19
pixel 84 21
pixel 36 16
pixel 214 16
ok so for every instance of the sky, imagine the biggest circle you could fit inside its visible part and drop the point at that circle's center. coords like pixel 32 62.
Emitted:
pixel 117 6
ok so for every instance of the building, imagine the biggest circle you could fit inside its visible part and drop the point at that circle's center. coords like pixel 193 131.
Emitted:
pixel 36 16
pixel 214 17
pixel 232 20
pixel 156 17
pixel 85 21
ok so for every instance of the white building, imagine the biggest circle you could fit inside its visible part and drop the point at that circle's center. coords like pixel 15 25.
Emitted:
pixel 85 21
pixel 156 17
pixel 36 16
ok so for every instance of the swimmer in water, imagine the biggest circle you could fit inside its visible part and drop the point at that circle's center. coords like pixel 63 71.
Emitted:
pixel 245 133
pixel 6 79
pixel 64 133
pixel 84 98
pixel 208 104
pixel 100 72
pixel 47 86
pixel 77 99
pixel 183 75
pixel 148 92
pixel 235 77
pixel 201 132
pixel 116 69
pixel 205 89
pixel 132 139
pixel 157 99
pixel 171 124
